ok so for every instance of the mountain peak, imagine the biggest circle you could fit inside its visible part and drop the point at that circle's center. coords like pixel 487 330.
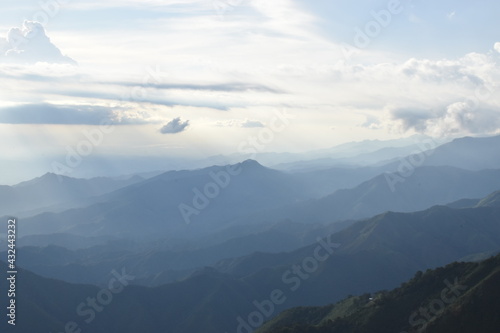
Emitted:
pixel 50 176
pixel 251 164
pixel 47 177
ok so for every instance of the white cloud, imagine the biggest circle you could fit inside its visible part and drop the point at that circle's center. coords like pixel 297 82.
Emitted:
pixel 457 119
pixel 466 118
pixel 497 47
pixel 30 44
pixel 176 125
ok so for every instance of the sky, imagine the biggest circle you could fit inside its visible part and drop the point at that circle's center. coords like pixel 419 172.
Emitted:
pixel 140 83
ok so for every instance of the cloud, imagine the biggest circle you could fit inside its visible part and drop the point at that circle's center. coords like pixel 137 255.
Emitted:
pixel 30 45
pixel 174 126
pixel 497 47
pixel 463 117
pixel 444 70
pixel 69 115
pixel 412 118
pixel 225 87
pixel 458 118
pixel 251 124
pixel 371 122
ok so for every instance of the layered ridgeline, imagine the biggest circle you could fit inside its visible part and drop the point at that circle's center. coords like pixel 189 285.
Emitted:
pixel 52 192
pixel 465 153
pixel 176 203
pixel 165 261
pixel 155 263
pixel 194 203
pixel 375 254
pixel 461 297
pixel 423 187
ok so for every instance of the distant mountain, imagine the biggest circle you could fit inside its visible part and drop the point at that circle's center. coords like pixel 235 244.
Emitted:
pixel 356 154
pixel 381 156
pixel 426 187
pixel 350 164
pixel 461 297
pixel 155 264
pixel 467 153
pixel 348 154
pixel 177 203
pixel 327 181
pixel 54 192
pixel 423 188
pixel 68 241
pixel 352 149
pixel 379 253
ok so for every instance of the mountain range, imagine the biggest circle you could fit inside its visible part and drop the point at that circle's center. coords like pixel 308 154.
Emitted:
pixel 374 254
pixel 226 248
pixel 55 192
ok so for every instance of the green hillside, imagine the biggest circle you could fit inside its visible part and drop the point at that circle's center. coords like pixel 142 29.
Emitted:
pixel 426 303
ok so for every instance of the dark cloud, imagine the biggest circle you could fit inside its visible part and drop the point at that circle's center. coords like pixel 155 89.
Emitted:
pixel 157 79
pixel 212 104
pixel 176 125
pixel 227 87
pixel 412 118
pixel 64 115
pixel 30 44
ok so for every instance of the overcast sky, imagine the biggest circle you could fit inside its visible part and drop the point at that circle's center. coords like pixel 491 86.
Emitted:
pixel 195 78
